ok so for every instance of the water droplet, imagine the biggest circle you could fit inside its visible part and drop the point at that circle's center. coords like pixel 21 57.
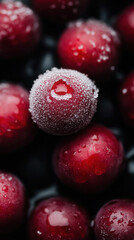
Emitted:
pixel 124 91
pixel 120 220
pixel 39 233
pixel 131 222
pixel 84 145
pixel 76 53
pixel 5 188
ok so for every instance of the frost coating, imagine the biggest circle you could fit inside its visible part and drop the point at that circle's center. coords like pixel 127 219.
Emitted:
pixel 69 111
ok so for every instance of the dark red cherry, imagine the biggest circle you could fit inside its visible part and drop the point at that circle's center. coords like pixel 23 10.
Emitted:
pixel 13 203
pixel 115 220
pixel 59 219
pixel 19 29
pixel 16 126
pixel 60 10
pixel 126 99
pixel 125 26
pixel 90 160
pixel 90 47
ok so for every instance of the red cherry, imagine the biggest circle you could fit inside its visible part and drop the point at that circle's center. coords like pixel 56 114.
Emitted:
pixel 16 127
pixel 90 160
pixel 59 219
pixel 126 99
pixel 13 203
pixel 63 101
pixel 60 10
pixel 19 29
pixel 125 26
pixel 90 47
pixel 115 220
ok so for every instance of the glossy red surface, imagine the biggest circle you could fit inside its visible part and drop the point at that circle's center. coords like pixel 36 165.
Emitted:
pixel 125 26
pixel 63 101
pixel 90 160
pixel 115 220
pixel 126 99
pixel 13 203
pixel 19 30
pixel 59 219
pixel 60 10
pixel 16 127
pixel 90 47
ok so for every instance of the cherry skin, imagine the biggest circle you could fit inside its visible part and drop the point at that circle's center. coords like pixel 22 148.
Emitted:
pixel 59 219
pixel 90 160
pixel 60 10
pixel 63 101
pixel 115 220
pixel 16 126
pixel 19 30
pixel 126 99
pixel 90 47
pixel 125 26
pixel 13 203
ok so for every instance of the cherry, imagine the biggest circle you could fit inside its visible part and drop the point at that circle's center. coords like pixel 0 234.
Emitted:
pixel 126 99
pixel 125 26
pixel 90 160
pixel 19 30
pixel 90 47
pixel 60 10
pixel 59 219
pixel 63 101
pixel 13 202
pixel 16 127
pixel 115 220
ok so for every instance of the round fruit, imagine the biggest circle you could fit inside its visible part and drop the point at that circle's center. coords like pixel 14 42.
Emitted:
pixel 19 29
pixel 125 26
pixel 60 10
pixel 13 202
pixel 90 47
pixel 90 160
pixel 63 101
pixel 126 99
pixel 16 126
pixel 59 219
pixel 115 220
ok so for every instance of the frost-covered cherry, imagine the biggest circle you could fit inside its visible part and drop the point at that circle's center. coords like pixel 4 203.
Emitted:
pixel 59 219
pixel 59 10
pixel 126 99
pixel 13 202
pixel 19 29
pixel 90 47
pixel 90 160
pixel 16 126
pixel 125 26
pixel 63 101
pixel 115 220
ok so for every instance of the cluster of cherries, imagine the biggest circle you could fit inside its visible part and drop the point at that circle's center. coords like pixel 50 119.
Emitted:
pixel 63 102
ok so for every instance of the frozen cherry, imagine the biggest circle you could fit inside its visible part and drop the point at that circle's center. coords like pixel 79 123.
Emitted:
pixel 63 101
pixel 126 99
pixel 19 29
pixel 90 160
pixel 16 126
pixel 59 219
pixel 13 202
pixel 60 10
pixel 125 26
pixel 115 220
pixel 91 47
